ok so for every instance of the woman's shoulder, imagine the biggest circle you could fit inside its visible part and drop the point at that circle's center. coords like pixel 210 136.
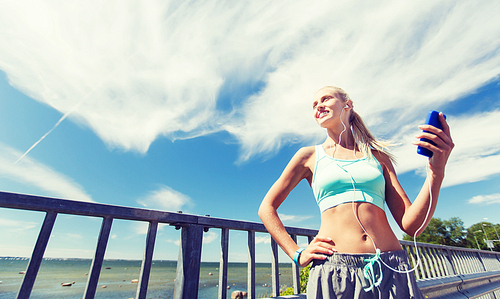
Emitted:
pixel 383 159
pixel 303 162
pixel 305 156
pixel 306 152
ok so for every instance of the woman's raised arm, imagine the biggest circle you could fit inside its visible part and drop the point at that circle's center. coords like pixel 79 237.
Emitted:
pixel 411 216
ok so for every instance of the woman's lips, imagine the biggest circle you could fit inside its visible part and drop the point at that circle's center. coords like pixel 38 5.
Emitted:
pixel 321 114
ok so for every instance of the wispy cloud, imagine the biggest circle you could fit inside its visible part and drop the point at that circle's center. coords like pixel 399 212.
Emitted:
pixel 165 198
pixel 209 237
pixel 170 62
pixel 16 225
pixel 485 199
pixel 67 237
pixel 175 242
pixel 141 228
pixel 32 172
pixel 476 155
pixel 263 239
pixel 293 218
pixel 396 60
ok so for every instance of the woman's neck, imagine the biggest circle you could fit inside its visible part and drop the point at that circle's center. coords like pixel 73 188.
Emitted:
pixel 343 138
pixel 341 146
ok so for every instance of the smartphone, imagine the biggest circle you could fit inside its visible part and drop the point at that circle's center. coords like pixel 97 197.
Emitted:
pixel 433 120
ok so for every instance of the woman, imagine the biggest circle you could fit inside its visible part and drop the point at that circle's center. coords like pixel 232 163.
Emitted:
pixel 356 254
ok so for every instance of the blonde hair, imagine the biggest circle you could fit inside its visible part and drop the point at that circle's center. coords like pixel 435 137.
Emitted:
pixel 365 141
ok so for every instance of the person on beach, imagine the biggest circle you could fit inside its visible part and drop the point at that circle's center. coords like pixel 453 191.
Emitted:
pixel 356 254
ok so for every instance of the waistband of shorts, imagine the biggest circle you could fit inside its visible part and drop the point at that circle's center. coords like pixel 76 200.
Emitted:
pixel 358 259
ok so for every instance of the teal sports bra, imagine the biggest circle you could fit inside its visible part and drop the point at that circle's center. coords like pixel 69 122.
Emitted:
pixel 332 183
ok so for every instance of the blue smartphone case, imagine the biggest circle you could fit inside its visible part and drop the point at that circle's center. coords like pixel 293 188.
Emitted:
pixel 433 120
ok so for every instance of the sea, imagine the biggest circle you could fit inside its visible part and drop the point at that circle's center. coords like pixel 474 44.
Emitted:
pixel 117 278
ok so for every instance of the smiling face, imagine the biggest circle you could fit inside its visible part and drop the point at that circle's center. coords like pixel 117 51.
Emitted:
pixel 328 104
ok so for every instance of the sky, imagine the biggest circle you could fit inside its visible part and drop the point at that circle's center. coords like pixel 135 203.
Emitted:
pixel 197 106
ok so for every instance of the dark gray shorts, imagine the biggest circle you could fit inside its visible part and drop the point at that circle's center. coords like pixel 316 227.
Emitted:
pixel 341 276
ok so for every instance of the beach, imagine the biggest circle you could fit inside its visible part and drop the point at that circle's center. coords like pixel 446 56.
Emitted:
pixel 116 278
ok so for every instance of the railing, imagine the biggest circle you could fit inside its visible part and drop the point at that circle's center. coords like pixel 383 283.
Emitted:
pixel 189 260
pixel 443 270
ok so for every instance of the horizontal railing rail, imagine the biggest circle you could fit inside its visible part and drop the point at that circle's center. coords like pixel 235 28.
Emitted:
pixel 441 270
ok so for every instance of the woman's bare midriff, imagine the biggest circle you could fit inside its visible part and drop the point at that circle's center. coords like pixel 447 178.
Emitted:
pixel 340 224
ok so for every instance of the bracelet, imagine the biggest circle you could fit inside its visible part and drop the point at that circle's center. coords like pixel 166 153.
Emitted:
pixel 296 256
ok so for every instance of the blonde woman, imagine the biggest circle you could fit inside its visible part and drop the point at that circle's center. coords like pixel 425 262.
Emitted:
pixel 356 254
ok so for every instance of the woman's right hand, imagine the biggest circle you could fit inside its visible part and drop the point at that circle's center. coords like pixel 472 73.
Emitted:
pixel 318 249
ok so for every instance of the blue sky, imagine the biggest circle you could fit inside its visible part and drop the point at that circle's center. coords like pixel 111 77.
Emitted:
pixel 198 106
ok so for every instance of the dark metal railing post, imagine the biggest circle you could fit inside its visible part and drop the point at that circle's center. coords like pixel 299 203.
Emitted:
pixel 275 269
pixel 480 258
pixel 37 256
pixel 251 264
pixel 224 249
pixel 142 289
pixel 95 268
pixel 295 272
pixel 449 264
pixel 188 263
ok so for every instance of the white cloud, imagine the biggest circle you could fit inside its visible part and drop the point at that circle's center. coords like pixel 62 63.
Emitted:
pixel 476 155
pixel 140 227
pixel 175 242
pixel 165 198
pixel 68 238
pixel 16 225
pixel 485 199
pixel 396 60
pixel 209 237
pixel 30 171
pixel 263 239
pixel 73 236
pixel 293 218
pixel 134 71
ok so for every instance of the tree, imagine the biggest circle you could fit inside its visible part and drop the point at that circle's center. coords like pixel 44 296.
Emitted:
pixel 456 232
pixel 304 277
pixel 452 232
pixel 477 238
pixel 448 232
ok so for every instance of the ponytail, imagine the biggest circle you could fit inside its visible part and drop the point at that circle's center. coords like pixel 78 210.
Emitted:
pixel 364 139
